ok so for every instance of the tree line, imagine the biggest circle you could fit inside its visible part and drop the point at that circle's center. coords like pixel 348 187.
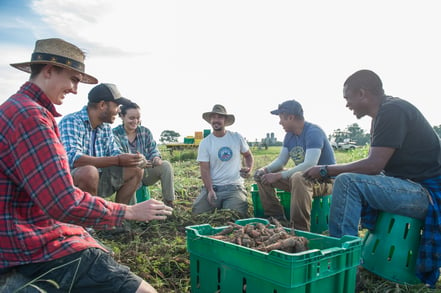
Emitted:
pixel 352 132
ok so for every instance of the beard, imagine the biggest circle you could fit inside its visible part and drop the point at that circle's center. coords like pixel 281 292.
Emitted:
pixel 217 127
pixel 107 117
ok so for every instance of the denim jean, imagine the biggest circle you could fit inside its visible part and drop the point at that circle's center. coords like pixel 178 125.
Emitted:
pixel 353 191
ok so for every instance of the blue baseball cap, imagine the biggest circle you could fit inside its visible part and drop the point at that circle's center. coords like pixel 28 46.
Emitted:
pixel 289 107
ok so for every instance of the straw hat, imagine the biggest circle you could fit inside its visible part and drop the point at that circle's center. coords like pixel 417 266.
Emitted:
pixel 219 109
pixel 60 53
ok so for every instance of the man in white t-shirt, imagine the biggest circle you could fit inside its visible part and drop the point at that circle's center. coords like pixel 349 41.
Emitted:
pixel 220 160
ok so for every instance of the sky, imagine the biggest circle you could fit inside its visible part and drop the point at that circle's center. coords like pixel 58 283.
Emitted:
pixel 176 59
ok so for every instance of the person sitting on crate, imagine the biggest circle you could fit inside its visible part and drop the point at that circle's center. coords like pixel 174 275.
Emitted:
pixel 307 145
pixel 219 157
pixel 98 165
pixel 134 138
pixel 401 175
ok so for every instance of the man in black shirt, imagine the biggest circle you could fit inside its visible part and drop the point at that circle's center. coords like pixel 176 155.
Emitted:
pixel 401 174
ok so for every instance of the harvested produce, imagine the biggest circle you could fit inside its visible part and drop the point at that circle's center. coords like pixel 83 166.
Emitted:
pixel 263 237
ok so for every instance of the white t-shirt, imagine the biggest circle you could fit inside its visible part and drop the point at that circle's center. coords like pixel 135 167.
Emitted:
pixel 224 156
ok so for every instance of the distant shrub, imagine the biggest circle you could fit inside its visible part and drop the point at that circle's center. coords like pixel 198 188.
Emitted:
pixel 185 155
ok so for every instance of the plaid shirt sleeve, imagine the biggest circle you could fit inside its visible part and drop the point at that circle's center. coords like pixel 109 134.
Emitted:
pixel 121 138
pixel 105 145
pixel 75 136
pixel 146 143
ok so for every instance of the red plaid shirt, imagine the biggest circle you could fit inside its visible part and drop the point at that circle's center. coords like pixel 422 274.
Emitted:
pixel 42 214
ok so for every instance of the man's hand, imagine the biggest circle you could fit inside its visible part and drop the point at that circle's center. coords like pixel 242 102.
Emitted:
pixel 312 173
pixel 157 161
pixel 151 209
pixel 245 172
pixel 130 160
pixel 270 178
pixel 258 174
pixel 211 197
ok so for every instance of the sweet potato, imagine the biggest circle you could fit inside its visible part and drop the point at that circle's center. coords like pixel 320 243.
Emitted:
pixel 263 237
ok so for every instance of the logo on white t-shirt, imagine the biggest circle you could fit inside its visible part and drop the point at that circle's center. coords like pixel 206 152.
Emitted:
pixel 225 154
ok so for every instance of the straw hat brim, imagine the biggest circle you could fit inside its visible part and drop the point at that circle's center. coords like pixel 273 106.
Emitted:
pixel 229 118
pixel 26 67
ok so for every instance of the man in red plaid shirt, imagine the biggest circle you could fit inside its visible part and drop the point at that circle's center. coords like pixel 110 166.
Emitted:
pixel 42 213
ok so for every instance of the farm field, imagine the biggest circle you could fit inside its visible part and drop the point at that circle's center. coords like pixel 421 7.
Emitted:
pixel 157 250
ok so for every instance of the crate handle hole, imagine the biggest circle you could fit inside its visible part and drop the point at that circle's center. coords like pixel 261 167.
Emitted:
pixel 391 224
pixel 218 276
pixel 409 258
pixel 406 230
pixel 374 249
pixel 244 285
pixel 198 281
pixel 391 253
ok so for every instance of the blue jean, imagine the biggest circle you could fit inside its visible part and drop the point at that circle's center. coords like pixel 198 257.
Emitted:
pixel 353 191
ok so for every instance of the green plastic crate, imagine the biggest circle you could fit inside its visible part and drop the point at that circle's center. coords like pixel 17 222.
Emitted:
pixel 330 264
pixel 321 206
pixel 257 204
pixel 284 197
pixel 391 249
pixel 142 194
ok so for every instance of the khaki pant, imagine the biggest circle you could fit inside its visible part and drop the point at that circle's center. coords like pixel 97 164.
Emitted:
pixel 302 192
pixel 163 173
pixel 232 196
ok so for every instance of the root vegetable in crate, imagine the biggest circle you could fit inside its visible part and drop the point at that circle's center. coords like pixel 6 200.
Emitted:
pixel 263 237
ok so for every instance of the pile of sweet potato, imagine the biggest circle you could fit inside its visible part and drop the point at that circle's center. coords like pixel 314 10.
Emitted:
pixel 263 237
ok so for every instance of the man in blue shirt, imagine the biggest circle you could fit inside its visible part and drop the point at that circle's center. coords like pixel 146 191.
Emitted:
pixel 307 145
pixel 98 165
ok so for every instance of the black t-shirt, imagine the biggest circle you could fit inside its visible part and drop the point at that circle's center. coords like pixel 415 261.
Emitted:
pixel 401 125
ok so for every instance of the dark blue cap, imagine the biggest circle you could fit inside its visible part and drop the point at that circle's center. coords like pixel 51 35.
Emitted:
pixel 289 107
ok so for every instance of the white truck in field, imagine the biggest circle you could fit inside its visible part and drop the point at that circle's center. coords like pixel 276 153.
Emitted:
pixel 345 145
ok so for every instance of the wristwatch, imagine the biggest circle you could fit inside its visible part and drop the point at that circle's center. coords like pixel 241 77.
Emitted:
pixel 324 171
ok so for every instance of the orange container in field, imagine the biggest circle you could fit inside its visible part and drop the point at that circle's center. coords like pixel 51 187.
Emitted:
pixel 198 135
